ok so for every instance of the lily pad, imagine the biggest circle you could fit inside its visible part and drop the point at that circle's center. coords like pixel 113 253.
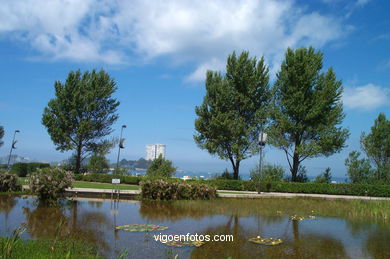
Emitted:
pixel 141 227
pixel 295 217
pixel 266 241
pixel 184 243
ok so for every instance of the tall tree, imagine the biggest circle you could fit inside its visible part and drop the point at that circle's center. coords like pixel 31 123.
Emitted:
pixel 1 135
pixel 376 145
pixel 234 110
pixel 307 109
pixel 82 113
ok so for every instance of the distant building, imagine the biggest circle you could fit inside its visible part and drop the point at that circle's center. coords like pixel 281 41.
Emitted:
pixel 153 151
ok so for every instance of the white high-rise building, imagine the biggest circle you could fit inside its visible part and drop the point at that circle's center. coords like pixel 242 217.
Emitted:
pixel 153 151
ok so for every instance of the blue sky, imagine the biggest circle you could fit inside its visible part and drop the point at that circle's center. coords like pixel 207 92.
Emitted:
pixel 159 51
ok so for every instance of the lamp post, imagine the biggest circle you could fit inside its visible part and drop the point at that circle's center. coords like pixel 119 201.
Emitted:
pixel 12 147
pixel 120 146
pixel 262 139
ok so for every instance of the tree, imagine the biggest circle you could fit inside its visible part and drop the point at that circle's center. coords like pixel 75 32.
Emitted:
pixel 98 163
pixel 307 109
pixel 234 110
pixel 160 167
pixel 82 113
pixel 358 170
pixel 270 173
pixel 324 177
pixel 376 145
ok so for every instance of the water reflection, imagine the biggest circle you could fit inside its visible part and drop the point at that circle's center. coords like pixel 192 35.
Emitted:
pixel 68 221
pixel 334 236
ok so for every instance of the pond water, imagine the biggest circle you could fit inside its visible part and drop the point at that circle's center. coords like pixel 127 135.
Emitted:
pixel 339 229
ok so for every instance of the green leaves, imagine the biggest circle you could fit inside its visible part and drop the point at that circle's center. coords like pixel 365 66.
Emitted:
pixel 307 109
pixel 160 167
pixel 234 109
pixel 82 112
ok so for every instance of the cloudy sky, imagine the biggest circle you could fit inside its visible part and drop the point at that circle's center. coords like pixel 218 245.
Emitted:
pixel 159 51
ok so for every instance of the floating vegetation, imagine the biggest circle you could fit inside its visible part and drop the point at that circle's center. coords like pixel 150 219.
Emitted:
pixel 266 241
pixel 183 243
pixel 295 217
pixel 141 227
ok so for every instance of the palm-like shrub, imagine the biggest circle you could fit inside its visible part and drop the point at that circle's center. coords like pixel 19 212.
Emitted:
pixel 8 182
pixel 49 184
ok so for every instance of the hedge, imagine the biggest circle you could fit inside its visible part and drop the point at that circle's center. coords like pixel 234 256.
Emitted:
pixel 176 190
pixel 106 178
pixel 242 185
pixel 317 188
pixel 23 169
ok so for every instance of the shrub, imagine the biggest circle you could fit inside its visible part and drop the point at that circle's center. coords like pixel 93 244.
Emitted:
pixel 9 182
pixel 270 173
pixel 325 177
pixel 49 184
pixel 23 169
pixel 160 167
pixel 226 175
pixel 97 164
pixel 176 190
pixel 106 178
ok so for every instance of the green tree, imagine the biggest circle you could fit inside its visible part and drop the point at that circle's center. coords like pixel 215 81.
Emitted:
pixel 82 113
pixel 1 135
pixel 234 110
pixel 358 170
pixel 270 173
pixel 324 177
pixel 97 163
pixel 307 109
pixel 376 145
pixel 160 167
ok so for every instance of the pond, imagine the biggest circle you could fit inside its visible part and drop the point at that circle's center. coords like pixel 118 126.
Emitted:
pixel 330 229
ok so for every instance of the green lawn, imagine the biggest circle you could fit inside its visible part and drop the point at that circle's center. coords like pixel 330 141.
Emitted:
pixel 82 184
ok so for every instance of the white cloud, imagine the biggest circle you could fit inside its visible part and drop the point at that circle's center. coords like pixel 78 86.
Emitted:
pixel 196 31
pixel 368 97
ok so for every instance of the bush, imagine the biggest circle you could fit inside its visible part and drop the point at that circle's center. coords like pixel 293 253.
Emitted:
pixel 49 184
pixel 106 178
pixel 226 175
pixel 325 177
pixel 9 182
pixel 176 190
pixel 292 187
pixel 270 173
pixel 160 167
pixel 23 169
pixel 97 164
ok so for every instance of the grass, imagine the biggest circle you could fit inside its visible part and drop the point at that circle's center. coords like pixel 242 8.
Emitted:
pixel 82 184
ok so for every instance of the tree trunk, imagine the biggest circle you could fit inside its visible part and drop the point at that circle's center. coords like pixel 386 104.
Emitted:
pixel 236 168
pixel 294 169
pixel 78 157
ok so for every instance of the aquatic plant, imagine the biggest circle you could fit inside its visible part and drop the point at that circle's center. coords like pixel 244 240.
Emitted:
pixel 141 227
pixel 183 243
pixel 266 241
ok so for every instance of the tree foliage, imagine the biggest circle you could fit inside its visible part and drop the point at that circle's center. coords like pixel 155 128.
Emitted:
pixel 160 167
pixel 97 163
pixel 82 113
pixel 234 109
pixel 358 170
pixel 324 177
pixel 269 173
pixel 307 109
pixel 376 145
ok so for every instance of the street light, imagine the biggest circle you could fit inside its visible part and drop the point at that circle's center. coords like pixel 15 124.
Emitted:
pixel 121 145
pixel 12 147
pixel 262 140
